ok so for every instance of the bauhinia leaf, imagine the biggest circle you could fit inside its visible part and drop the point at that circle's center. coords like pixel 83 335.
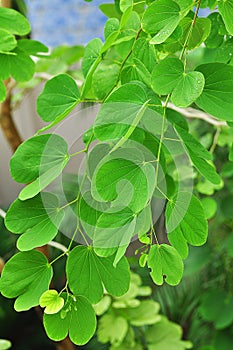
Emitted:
pixel 31 280
pixel 76 319
pixel 225 8
pixel 13 21
pixel 58 98
pixel 165 264
pixel 39 160
pixel 52 302
pixel 37 220
pixel 186 222
pixel 87 273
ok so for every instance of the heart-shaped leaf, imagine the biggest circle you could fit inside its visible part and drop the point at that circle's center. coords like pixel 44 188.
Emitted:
pixel 52 302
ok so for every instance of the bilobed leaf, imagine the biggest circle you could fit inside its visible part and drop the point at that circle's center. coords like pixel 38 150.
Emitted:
pixel 188 89
pixel 87 273
pixel 144 314
pixel 161 18
pixel 165 263
pixel 137 71
pixel 166 335
pixel 52 302
pixel 7 41
pixel 59 96
pixel 2 91
pixel 106 85
pixel 144 52
pixel 225 8
pixel 76 319
pixel 186 222
pixel 31 280
pixel 217 96
pixel 37 220
pixel 13 21
pixel 166 75
pixel 112 328
pixel 39 160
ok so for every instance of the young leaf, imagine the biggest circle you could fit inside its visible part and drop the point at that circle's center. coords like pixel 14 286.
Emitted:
pixel 76 318
pixel 225 8
pixel 52 302
pixel 13 21
pixel 144 314
pixel 40 159
pixel 161 18
pixel 112 328
pixel 58 98
pixel 165 263
pixel 37 219
pixel 5 344
pixel 31 280
pixel 217 96
pixel 87 273
pixel 186 223
pixel 166 335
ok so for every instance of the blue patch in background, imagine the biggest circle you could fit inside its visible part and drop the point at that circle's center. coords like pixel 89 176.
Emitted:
pixel 71 22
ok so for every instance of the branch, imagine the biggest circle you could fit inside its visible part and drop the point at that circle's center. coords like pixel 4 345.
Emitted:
pixel 195 113
pixel 58 246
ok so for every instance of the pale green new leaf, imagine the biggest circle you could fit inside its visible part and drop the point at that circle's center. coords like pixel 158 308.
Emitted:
pixel 125 4
pixel 144 314
pixel 52 302
pixel 39 160
pixel 87 273
pixel 225 8
pixel 5 344
pixel 112 328
pixel 76 319
pixel 13 21
pixel 58 98
pixel 166 335
pixel 188 89
pixel 165 264
pixel 186 222
pixel 31 280
pixel 161 18
pixel 37 220
pixel 217 96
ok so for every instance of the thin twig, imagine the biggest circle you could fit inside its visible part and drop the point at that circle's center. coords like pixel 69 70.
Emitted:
pixel 58 246
pixel 2 213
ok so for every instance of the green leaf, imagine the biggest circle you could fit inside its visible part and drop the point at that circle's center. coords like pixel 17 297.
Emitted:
pixel 13 22
pixel 125 4
pixel 87 273
pixel 225 8
pixel 145 52
pixel 217 96
pixel 188 89
pixel 165 263
pixel 144 314
pixel 166 75
pixel 112 328
pixel 101 90
pixel 231 153
pixel 7 41
pixel 186 222
pixel 77 318
pixel 17 64
pixel 52 302
pixel 31 280
pixel 215 39
pixel 218 313
pixel 58 98
pixel 5 344
pixel 91 54
pixel 166 335
pixel 37 219
pixel 161 18
pixel 111 26
pixel 39 160
pixel 31 47
pixel 110 10
pixel 200 31
pixel 210 207
pixel 137 71
pixel 2 91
